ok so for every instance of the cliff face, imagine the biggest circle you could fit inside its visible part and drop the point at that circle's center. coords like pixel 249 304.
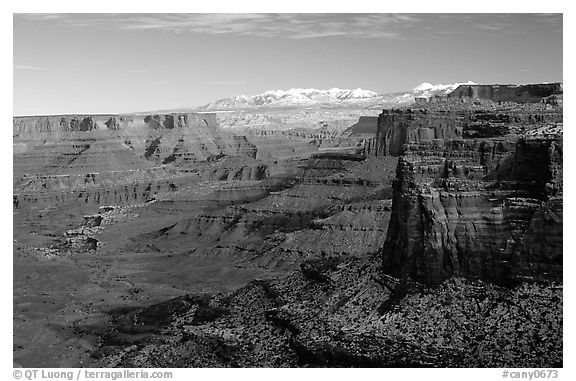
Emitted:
pixel 54 124
pixel 480 208
pixel 156 138
pixel 366 125
pixel 120 158
pixel 159 138
pixel 397 127
pixel 508 93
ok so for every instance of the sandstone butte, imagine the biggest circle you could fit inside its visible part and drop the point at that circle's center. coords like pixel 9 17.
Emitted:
pixel 471 197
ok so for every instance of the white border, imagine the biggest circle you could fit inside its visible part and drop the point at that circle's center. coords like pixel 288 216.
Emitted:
pixel 413 6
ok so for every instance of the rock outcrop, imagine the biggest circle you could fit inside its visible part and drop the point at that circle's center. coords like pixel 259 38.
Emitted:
pixel 366 125
pixel 480 208
pixel 338 313
pixel 478 189
pixel 397 127
pixel 508 93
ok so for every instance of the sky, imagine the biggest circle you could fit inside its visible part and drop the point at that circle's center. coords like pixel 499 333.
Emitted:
pixel 120 63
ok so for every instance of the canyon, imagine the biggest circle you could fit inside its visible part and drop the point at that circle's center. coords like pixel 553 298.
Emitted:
pixel 427 234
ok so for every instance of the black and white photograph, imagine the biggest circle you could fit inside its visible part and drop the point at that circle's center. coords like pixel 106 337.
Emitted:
pixel 287 190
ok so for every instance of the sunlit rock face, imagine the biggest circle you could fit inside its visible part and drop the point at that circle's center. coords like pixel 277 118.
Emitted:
pixel 508 93
pixel 118 159
pixel 397 127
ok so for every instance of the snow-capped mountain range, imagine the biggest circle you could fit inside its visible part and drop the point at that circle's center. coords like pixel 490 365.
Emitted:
pixel 293 97
pixel 426 90
pixel 329 98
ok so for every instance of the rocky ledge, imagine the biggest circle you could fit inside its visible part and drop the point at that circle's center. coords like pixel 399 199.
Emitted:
pixel 397 127
pixel 532 93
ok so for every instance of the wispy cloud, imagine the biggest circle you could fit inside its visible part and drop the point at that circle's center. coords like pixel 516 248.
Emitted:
pixel 226 83
pixel 139 71
pixel 283 25
pixel 386 26
pixel 26 67
pixel 550 18
pixel 40 16
pixel 496 27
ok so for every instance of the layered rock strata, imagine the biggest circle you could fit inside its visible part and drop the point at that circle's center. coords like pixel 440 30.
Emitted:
pixel 397 127
pixel 333 207
pixel 161 139
pixel 481 208
pixel 111 159
pixel 508 93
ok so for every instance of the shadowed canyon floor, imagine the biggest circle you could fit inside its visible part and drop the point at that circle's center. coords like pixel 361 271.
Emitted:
pixel 426 237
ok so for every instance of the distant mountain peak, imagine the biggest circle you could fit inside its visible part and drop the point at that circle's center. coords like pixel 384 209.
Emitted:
pixel 314 92
pixel 426 86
